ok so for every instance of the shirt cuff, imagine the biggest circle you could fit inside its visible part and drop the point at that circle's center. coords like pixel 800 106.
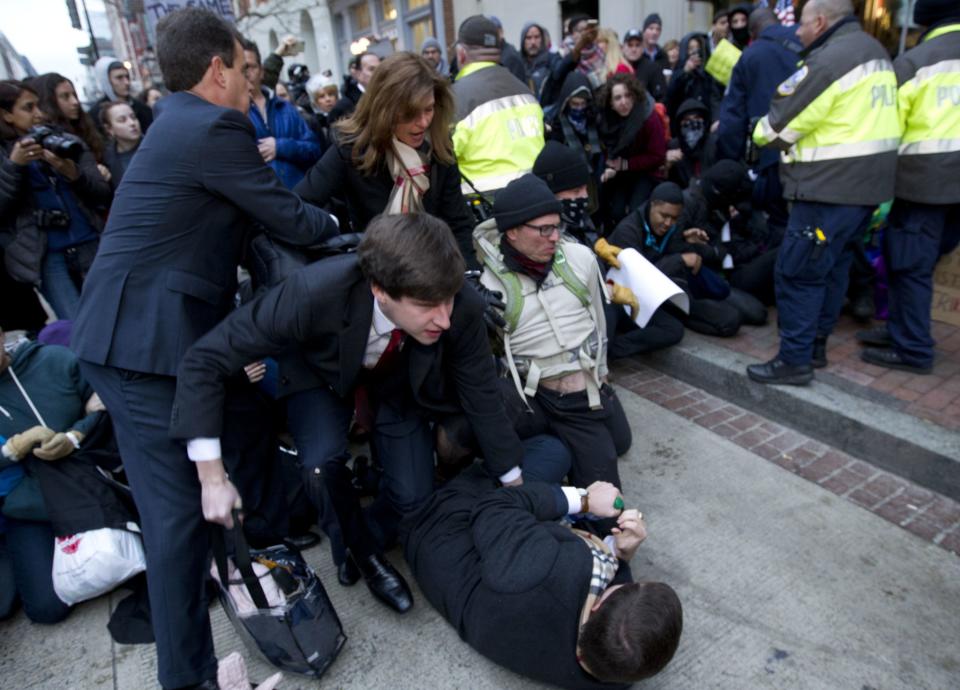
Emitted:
pixel 510 476
pixel 203 449
pixel 573 499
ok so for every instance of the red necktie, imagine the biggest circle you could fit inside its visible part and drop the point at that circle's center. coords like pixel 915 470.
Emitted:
pixel 364 407
pixel 390 355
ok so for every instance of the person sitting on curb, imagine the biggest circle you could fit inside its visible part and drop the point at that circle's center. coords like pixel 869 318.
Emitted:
pixel 556 604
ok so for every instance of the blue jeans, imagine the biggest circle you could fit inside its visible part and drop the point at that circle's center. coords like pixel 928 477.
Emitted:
pixel 57 286
pixel 26 567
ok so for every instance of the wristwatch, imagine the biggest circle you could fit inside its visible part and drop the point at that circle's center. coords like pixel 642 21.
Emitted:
pixel 584 500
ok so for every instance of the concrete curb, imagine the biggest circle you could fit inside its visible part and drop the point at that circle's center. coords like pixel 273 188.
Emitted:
pixel 912 448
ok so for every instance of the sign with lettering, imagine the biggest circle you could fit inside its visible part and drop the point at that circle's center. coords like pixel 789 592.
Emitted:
pixel 158 9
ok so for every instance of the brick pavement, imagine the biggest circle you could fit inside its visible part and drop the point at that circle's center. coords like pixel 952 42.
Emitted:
pixel 934 397
pixel 928 515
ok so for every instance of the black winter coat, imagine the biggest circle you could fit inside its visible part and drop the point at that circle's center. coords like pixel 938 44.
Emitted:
pixel 497 565
pixel 335 177
pixel 24 243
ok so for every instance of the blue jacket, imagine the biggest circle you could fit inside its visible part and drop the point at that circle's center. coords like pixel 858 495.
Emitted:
pixel 297 146
pixel 764 65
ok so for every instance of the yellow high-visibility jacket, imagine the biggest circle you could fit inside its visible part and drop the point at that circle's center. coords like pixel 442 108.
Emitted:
pixel 928 170
pixel 835 120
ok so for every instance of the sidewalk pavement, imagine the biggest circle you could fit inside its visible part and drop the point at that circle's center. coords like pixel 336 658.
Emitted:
pixel 784 585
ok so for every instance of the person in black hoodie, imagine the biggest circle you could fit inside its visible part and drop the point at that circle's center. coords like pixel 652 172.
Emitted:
pixel 690 80
pixel 683 254
pixel 692 150
pixel 538 61
pixel 574 123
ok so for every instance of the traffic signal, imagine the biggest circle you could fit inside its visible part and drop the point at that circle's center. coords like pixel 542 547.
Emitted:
pixel 87 55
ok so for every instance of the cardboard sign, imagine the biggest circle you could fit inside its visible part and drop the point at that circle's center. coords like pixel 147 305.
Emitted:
pixel 722 61
pixel 946 289
pixel 158 9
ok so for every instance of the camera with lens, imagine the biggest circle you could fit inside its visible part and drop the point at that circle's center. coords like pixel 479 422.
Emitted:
pixel 57 142
pixel 51 218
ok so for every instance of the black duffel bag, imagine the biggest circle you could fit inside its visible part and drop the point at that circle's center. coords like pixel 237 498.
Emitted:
pixel 302 635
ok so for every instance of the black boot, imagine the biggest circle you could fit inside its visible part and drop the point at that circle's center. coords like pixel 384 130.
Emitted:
pixel 384 582
pixel 347 573
pixel 875 337
pixel 819 359
pixel 891 359
pixel 778 371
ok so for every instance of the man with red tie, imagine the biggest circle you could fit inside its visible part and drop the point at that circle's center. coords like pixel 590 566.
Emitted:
pixel 394 327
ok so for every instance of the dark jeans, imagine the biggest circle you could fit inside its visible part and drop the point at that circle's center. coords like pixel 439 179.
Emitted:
pixel 911 246
pixel 811 281
pixel 756 277
pixel 626 192
pixel 403 443
pixel 26 572
pixel 595 437
pixel 59 287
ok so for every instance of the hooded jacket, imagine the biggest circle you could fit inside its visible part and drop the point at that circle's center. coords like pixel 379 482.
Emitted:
pixel 696 84
pixel 538 67
pixel 102 73
pixel 562 129
pixel 430 42
pixel 297 146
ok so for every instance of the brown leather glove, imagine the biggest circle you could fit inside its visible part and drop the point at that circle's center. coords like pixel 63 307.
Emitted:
pixel 621 294
pixel 59 446
pixel 608 252
pixel 19 445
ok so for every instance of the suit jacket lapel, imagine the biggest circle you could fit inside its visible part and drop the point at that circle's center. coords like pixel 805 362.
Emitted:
pixel 357 318
pixel 421 359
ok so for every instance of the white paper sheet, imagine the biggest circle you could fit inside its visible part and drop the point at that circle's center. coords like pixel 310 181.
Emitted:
pixel 648 283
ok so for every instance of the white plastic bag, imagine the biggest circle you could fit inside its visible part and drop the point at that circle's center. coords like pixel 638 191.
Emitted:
pixel 91 563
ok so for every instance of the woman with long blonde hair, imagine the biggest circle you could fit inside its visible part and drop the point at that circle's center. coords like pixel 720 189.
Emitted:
pixel 609 42
pixel 394 153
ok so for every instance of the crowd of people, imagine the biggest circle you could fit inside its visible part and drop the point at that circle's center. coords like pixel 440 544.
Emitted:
pixel 416 260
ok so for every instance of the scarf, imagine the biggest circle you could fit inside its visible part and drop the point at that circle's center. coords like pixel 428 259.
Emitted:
pixel 619 134
pixel 593 63
pixel 411 179
pixel 520 263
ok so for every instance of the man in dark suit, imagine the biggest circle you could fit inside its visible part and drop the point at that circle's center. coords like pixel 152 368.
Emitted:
pixel 392 332
pixel 165 274
pixel 535 596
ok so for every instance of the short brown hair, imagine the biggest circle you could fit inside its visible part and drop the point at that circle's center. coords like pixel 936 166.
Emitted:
pixel 634 633
pixel 412 255
pixel 397 89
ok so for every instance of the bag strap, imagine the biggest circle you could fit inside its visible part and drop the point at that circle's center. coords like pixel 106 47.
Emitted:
pixel 241 557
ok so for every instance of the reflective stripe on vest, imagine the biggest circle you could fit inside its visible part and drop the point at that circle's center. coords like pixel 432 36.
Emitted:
pixel 855 116
pixel 929 105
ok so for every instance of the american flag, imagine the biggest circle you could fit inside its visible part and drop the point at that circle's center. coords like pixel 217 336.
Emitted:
pixel 784 11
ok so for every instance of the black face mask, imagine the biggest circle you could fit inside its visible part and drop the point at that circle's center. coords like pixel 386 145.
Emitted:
pixel 573 212
pixel 741 36
pixel 691 134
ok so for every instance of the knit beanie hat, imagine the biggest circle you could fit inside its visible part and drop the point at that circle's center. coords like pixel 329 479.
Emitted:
pixel 725 182
pixel 522 200
pixel 930 12
pixel 561 167
pixel 652 19
pixel 667 192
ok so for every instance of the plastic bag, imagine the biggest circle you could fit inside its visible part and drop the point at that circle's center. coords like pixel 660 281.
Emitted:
pixel 92 563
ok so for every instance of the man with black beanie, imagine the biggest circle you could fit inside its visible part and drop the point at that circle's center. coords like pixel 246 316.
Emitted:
pixel 925 219
pixel 554 341
pixel 567 176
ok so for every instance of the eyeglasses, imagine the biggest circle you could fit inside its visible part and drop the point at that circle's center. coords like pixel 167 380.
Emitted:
pixel 544 230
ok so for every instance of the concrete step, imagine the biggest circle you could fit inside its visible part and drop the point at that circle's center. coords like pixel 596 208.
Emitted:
pixel 859 421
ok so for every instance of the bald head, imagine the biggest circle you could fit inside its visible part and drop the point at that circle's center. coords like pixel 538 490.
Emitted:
pixel 819 15
pixel 832 10
pixel 760 19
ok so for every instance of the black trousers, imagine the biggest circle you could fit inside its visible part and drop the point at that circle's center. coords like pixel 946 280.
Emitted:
pixel 625 338
pixel 756 277
pixel 594 437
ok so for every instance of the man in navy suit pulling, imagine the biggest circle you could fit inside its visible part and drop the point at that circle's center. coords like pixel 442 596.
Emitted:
pixel 165 274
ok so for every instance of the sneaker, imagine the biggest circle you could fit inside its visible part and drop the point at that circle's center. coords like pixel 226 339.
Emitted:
pixel 777 371
pixel 891 359
pixel 875 337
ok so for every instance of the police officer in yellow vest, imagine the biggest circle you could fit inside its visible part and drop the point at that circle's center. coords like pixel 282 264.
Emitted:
pixel 835 120
pixel 499 123
pixel 925 219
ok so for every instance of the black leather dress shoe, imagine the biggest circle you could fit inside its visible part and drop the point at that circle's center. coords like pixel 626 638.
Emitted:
pixel 875 337
pixel 385 582
pixel 819 359
pixel 347 572
pixel 891 359
pixel 779 372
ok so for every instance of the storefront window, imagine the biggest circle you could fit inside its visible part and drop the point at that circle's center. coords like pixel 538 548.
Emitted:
pixel 416 4
pixel 420 30
pixel 388 10
pixel 360 17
